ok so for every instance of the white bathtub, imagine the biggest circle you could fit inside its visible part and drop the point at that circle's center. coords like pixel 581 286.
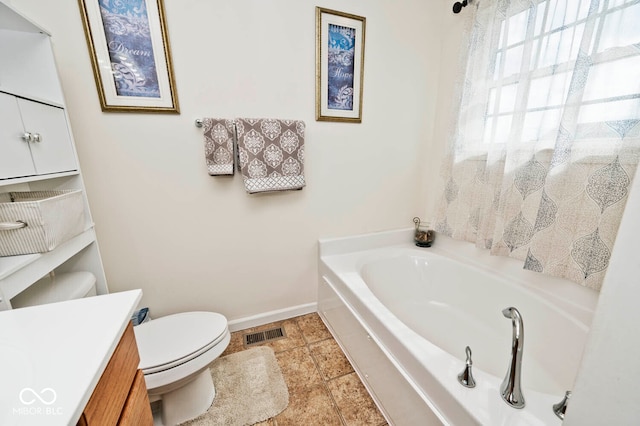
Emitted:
pixel 404 315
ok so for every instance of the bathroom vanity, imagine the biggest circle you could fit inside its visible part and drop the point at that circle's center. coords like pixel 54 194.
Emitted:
pixel 72 362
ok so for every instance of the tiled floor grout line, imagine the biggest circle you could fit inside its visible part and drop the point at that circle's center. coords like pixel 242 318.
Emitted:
pixel 307 346
pixel 275 418
pixel 342 375
pixel 320 372
pixel 325 381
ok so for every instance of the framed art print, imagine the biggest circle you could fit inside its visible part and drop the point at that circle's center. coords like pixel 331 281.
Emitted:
pixel 339 65
pixel 130 54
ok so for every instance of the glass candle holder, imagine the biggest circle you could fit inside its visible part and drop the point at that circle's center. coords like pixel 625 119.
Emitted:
pixel 422 236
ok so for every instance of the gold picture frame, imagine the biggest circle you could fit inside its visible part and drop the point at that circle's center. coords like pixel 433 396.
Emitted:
pixel 130 55
pixel 340 42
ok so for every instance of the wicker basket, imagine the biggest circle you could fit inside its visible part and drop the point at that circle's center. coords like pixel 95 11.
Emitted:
pixel 38 221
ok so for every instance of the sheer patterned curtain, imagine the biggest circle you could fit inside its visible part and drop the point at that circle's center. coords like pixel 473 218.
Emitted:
pixel 548 131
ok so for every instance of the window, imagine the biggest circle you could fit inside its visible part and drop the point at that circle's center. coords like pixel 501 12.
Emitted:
pixel 548 133
pixel 534 54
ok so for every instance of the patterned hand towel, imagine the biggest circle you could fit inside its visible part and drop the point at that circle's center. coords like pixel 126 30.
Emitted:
pixel 271 154
pixel 218 145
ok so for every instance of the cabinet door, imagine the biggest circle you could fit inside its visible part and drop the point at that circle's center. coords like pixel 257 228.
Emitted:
pixel 15 157
pixel 111 392
pixel 54 151
pixel 137 410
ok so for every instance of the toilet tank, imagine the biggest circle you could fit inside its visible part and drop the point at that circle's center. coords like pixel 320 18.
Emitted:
pixel 60 287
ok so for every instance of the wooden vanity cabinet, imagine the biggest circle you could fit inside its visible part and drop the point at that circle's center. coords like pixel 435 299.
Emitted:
pixel 120 397
pixel 137 410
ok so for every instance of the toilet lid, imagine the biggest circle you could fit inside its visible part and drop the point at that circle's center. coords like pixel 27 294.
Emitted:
pixel 175 337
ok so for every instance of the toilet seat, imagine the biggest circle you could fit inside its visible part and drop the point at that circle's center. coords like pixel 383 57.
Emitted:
pixel 167 342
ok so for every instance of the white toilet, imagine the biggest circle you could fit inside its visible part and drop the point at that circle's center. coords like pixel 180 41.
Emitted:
pixel 175 352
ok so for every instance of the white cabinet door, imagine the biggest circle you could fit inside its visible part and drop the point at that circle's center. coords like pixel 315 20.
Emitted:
pixel 51 148
pixel 15 157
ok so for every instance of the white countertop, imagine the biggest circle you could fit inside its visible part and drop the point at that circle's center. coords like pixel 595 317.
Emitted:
pixel 52 356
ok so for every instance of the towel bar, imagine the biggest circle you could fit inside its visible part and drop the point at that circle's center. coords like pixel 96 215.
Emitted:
pixel 199 122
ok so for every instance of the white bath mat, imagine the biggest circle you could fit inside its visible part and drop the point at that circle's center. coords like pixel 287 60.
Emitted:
pixel 249 389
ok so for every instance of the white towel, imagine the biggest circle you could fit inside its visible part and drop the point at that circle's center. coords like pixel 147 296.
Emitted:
pixel 271 154
pixel 218 145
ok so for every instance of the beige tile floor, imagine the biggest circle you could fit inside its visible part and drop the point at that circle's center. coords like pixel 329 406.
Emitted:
pixel 323 387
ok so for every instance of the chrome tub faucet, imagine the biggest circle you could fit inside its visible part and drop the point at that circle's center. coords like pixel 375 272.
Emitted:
pixel 511 389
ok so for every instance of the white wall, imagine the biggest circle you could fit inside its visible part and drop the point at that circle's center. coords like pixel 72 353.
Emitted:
pixel 452 59
pixel 192 241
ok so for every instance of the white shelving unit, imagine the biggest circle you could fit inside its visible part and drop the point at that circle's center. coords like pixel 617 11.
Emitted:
pixel 37 151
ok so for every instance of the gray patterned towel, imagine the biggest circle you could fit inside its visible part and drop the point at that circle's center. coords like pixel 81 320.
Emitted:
pixel 271 154
pixel 218 145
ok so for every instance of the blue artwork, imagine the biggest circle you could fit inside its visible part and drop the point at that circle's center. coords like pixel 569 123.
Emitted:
pixel 341 51
pixel 126 27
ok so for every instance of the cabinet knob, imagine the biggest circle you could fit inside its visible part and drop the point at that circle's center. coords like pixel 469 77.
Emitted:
pixel 37 137
pixel 27 137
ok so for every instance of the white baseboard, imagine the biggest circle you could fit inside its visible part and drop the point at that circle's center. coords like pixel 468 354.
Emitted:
pixel 272 316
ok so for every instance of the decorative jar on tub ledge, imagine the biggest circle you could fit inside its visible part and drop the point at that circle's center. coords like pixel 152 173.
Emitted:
pixel 423 236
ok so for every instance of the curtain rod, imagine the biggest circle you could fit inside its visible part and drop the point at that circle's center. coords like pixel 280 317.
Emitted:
pixel 457 6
